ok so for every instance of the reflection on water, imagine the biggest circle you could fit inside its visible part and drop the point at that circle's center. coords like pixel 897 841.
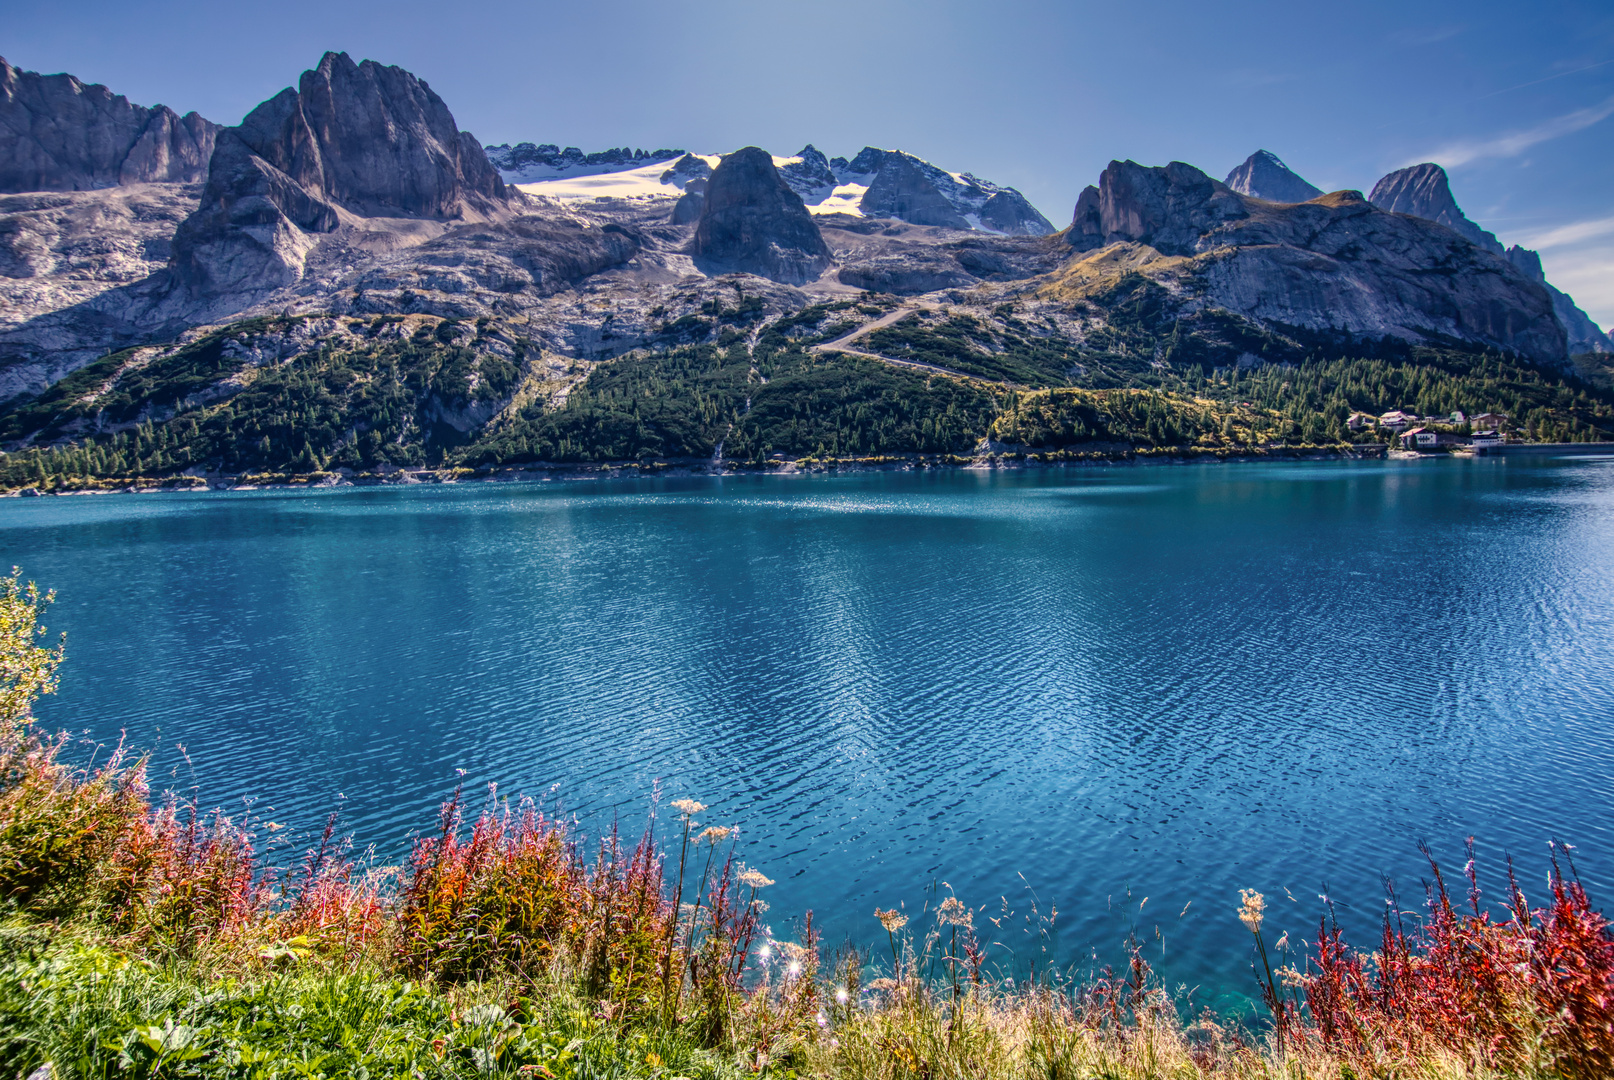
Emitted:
pixel 1103 685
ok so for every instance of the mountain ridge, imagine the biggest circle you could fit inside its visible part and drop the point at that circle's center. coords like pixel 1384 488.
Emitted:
pixel 1425 191
pixel 420 307
pixel 362 140
pixel 1265 176
pixel 60 134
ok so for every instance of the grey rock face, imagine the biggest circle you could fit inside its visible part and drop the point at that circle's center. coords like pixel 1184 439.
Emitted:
pixel 1339 264
pixel 1168 208
pixel 1008 211
pixel 57 134
pixel 1335 264
pixel 526 161
pixel 1425 191
pixel 61 250
pixel 690 204
pixel 528 254
pixel 910 189
pixel 361 139
pixel 902 190
pixel 752 221
pixel 811 175
pixel 866 163
pixel 1583 334
pixel 915 263
pixel 687 168
pixel 1265 176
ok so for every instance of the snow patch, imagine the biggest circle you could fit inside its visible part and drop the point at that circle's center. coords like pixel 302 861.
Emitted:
pixel 845 199
pixel 641 183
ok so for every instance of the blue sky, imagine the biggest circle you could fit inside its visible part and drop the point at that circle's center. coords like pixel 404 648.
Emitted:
pixel 1516 100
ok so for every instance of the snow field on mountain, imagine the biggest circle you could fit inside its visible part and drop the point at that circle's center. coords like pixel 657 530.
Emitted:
pixel 643 182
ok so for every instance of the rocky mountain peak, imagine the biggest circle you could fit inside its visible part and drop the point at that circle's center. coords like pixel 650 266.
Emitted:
pixel 902 189
pixel 1265 176
pixel 374 139
pixel 1425 191
pixel 1336 264
pixel 525 162
pixel 364 139
pixel 866 163
pixel 687 168
pixel 59 134
pixel 911 189
pixel 1167 207
pixel 752 221
pixel 810 174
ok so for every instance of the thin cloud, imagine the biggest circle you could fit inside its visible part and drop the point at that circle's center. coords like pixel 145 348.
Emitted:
pixel 1588 276
pixel 1458 154
pixel 1549 78
pixel 1573 233
pixel 1429 36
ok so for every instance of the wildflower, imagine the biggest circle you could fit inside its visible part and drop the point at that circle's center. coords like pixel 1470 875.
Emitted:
pixel 823 1021
pixel 714 835
pixel 754 879
pixel 1283 941
pixel 953 913
pixel 1251 907
pixel 688 807
pixel 653 1060
pixel 892 920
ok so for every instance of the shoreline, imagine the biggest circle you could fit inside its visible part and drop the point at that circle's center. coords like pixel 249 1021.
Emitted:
pixel 999 459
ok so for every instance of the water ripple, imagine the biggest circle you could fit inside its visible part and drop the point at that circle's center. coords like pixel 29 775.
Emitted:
pixel 1174 681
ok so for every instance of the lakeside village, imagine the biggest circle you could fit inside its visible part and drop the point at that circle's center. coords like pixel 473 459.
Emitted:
pixel 1456 433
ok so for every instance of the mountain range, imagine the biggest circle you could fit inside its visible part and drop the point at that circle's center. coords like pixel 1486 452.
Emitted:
pixel 1423 191
pixel 159 273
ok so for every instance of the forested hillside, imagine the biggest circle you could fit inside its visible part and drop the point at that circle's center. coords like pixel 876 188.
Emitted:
pixel 291 396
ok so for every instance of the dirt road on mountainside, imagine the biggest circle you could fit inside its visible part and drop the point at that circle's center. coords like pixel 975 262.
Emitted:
pixel 842 345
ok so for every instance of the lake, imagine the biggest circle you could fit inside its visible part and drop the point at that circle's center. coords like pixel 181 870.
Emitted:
pixel 1125 692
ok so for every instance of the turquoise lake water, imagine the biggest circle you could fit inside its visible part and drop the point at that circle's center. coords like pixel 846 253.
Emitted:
pixel 1100 685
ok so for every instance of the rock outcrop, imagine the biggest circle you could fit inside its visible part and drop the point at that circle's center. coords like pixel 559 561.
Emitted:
pixel 911 189
pixel 1336 265
pixel 525 162
pixel 687 210
pixel 58 134
pixel 68 249
pixel 902 190
pixel 753 222
pixel 1169 208
pixel 1583 334
pixel 809 174
pixel 687 168
pixel 1425 191
pixel 1265 176
pixel 353 141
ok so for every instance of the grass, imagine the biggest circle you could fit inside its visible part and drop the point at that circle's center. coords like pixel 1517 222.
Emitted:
pixel 143 937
